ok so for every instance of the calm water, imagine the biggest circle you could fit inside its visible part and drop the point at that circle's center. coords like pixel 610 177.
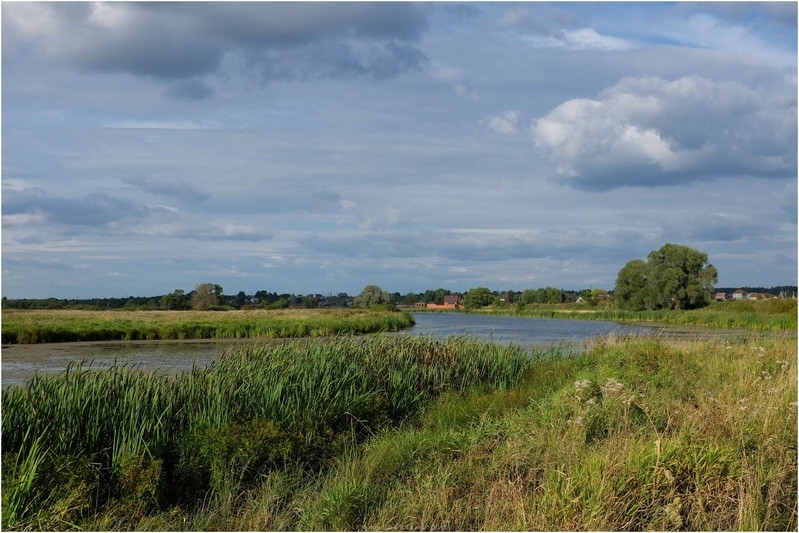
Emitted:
pixel 518 330
pixel 21 362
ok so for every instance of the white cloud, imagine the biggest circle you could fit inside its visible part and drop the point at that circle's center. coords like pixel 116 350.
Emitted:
pixel 463 90
pixel 580 39
pixel 589 39
pixel 706 31
pixel 505 124
pixel 650 131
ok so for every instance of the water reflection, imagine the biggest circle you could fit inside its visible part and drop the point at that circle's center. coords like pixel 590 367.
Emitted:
pixel 21 362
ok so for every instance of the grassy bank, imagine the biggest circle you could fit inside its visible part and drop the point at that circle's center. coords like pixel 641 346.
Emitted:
pixel 758 315
pixel 21 326
pixel 138 442
pixel 411 434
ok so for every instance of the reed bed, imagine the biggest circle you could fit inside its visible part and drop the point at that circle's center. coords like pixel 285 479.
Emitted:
pixel 84 441
pixel 765 315
pixel 28 327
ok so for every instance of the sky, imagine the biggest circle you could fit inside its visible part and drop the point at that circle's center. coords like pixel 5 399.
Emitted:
pixel 322 147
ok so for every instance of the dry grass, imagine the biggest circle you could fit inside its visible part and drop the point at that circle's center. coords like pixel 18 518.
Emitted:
pixel 644 436
pixel 36 326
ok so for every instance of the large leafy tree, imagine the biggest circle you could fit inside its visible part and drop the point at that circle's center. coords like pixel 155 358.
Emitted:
pixel 176 300
pixel 631 291
pixel 673 277
pixel 207 296
pixel 372 295
pixel 478 297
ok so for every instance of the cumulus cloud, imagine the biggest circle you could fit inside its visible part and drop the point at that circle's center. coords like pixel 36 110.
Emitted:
pixel 505 124
pixel 179 42
pixel 651 131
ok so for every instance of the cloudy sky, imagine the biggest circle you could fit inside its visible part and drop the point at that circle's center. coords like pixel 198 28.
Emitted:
pixel 302 148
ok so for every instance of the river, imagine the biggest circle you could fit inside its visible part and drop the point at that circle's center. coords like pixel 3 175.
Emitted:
pixel 21 362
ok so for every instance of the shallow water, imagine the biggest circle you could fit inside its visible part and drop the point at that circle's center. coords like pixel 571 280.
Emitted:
pixel 21 362
pixel 520 330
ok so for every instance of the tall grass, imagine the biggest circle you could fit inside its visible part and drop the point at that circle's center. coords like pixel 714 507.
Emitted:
pixel 634 435
pixel 760 315
pixel 28 327
pixel 146 440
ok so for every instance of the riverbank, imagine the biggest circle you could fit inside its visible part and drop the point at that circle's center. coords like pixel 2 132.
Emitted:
pixel 30 327
pixel 758 315
pixel 635 433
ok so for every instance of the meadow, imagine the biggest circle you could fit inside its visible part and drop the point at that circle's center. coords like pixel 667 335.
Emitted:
pixel 757 315
pixel 34 326
pixel 406 433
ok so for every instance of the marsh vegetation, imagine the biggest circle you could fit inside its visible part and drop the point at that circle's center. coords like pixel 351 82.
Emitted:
pixel 410 433
pixel 757 315
pixel 33 326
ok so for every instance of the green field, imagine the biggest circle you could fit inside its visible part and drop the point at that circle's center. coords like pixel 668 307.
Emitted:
pixel 401 433
pixel 28 327
pixel 758 315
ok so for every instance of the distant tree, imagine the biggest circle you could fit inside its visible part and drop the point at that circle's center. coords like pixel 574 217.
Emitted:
pixel 547 295
pixel 528 296
pixel 673 277
pixel 477 297
pixel 310 302
pixel 372 295
pixel 280 303
pixel 411 298
pixel 241 299
pixel 206 296
pixel 435 296
pixel 175 300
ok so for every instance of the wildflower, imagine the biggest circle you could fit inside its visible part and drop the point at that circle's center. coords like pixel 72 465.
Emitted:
pixel 772 390
pixel 761 352
pixel 581 385
pixel 612 386
pixel 764 375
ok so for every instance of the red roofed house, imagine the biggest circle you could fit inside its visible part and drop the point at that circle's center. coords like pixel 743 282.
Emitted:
pixel 451 301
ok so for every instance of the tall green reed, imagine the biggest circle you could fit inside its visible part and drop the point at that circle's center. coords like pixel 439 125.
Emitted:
pixel 256 408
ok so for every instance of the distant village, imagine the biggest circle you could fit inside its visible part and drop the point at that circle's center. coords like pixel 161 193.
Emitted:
pixel 743 294
pixel 429 299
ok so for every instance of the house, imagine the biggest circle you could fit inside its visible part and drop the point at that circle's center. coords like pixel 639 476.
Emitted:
pixel 454 300
pixel 451 301
pixel 420 305
pixel 721 296
pixel 740 294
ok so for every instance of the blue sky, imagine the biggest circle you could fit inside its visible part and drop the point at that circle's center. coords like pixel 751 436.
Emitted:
pixel 317 148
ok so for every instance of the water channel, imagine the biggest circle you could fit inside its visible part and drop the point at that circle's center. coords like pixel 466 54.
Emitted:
pixel 21 362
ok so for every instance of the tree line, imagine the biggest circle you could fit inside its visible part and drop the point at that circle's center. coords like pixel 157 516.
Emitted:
pixel 672 277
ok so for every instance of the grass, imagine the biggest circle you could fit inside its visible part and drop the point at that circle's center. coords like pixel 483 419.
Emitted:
pixel 85 444
pixel 28 327
pixel 758 315
pixel 637 433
